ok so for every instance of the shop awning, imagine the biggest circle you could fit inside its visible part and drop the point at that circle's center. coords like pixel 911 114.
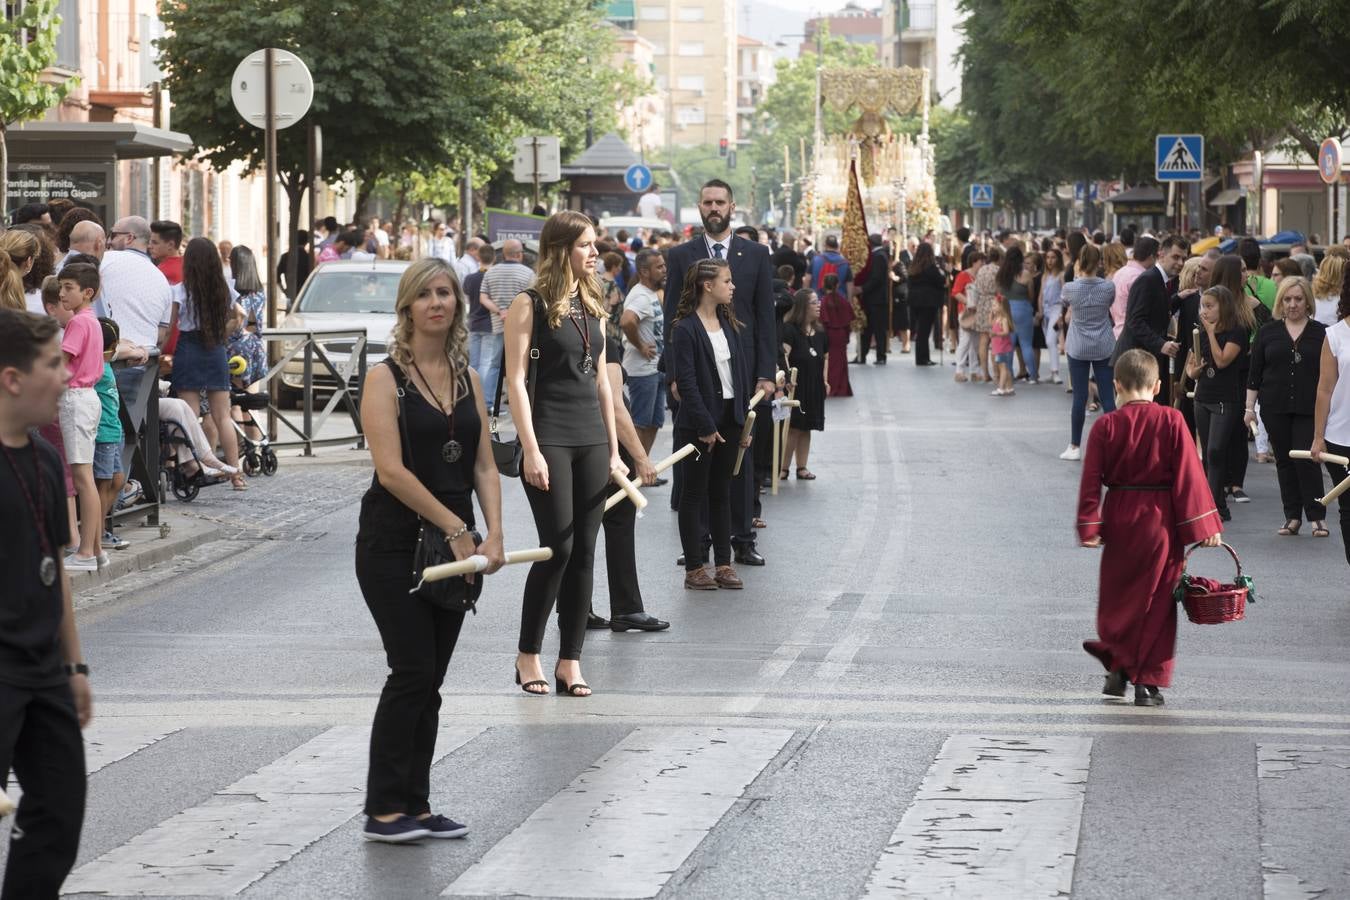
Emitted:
pixel 1226 197
pixel 93 140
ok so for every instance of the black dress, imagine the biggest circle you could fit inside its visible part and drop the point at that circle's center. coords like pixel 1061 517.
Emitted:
pixel 807 354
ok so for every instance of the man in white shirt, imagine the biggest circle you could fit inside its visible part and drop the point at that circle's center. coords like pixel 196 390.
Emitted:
pixel 501 284
pixel 467 264
pixel 642 321
pixel 649 204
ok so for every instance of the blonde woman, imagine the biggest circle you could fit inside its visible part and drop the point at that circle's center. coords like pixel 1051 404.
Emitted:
pixel 19 250
pixel 431 476
pixel 565 421
pixel 1326 286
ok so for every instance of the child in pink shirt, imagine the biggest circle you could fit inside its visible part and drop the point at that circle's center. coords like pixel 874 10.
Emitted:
pixel 82 345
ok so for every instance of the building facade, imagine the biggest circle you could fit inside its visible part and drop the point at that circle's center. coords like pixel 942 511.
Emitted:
pixel 695 54
pixel 926 34
pixel 853 23
pixel 755 72
pixel 644 120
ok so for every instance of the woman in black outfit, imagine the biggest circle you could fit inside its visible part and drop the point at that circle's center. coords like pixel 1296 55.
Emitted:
pixel 1227 323
pixel 1230 272
pixel 1284 371
pixel 711 375
pixel 566 427
pixel 807 348
pixel 426 379
pixel 927 293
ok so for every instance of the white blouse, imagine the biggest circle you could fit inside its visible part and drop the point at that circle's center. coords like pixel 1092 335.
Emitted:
pixel 722 356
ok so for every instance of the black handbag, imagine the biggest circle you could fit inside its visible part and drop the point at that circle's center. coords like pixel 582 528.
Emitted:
pixel 454 594
pixel 510 455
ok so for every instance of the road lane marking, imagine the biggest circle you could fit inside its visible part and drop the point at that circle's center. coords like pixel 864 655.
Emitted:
pixel 107 741
pixel 994 817
pixel 623 827
pixel 223 845
pixel 1300 858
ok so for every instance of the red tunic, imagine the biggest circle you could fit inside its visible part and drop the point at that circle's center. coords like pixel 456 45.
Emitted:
pixel 1144 532
pixel 837 316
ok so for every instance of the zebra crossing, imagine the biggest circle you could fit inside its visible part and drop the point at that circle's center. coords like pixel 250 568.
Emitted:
pixel 995 815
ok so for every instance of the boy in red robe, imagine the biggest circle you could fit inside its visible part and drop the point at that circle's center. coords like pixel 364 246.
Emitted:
pixel 1157 503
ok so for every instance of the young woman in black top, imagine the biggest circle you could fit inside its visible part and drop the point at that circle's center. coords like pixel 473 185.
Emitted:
pixel 1230 272
pixel 927 293
pixel 566 427
pixel 710 373
pixel 432 476
pixel 807 349
pixel 1218 387
pixel 1284 372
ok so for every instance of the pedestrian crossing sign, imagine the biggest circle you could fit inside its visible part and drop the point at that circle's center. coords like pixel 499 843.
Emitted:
pixel 1180 157
pixel 981 196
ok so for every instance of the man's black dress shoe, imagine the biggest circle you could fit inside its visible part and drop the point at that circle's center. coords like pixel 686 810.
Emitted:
pixel 594 622
pixel 1147 695
pixel 641 621
pixel 1115 684
pixel 748 556
pixel 680 560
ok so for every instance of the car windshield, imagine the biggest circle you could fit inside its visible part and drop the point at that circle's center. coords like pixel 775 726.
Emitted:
pixel 351 292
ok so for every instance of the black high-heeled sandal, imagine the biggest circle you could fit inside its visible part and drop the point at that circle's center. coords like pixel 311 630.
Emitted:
pixel 1291 527
pixel 571 689
pixel 539 682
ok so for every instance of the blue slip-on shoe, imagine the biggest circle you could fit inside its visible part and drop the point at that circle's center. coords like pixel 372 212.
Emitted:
pixel 439 826
pixel 400 831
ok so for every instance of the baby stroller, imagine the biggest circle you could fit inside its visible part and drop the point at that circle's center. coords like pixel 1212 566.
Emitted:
pixel 255 454
pixel 184 486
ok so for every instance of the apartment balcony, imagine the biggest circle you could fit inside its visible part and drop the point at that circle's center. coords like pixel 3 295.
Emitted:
pixel 916 21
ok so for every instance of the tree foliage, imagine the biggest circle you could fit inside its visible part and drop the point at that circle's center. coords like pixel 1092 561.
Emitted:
pixel 27 49
pixel 1065 90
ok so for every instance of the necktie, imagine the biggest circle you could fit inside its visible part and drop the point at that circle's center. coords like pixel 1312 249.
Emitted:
pixel 717 250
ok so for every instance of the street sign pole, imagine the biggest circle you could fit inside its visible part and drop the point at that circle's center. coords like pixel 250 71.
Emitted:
pixel 534 147
pixel 270 101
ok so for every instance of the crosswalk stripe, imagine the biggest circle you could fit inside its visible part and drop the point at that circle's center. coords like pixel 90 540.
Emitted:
pixel 223 845
pixel 109 740
pixel 994 817
pixel 624 826
pixel 1301 858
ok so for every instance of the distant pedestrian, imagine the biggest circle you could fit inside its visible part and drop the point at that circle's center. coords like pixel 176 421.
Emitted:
pixel 968 342
pixel 166 240
pixel 1156 504
pixel 927 294
pixel 1326 285
pixel 874 295
pixel 1001 330
pixel 1088 343
pixel 831 262
pixel 18 254
pixel 643 345
pixel 422 399
pixel 807 349
pixel 82 344
pixel 44 682
pixel 985 291
pixel 480 319
pixel 246 339
pixel 836 316
pixel 1052 289
pixel 1014 281
pixel 501 285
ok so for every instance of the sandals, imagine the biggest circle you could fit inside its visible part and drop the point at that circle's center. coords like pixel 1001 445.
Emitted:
pixel 783 475
pixel 238 483
pixel 538 682
pixel 571 689
pixel 1320 530
pixel 757 522
pixel 804 474
pixel 1290 528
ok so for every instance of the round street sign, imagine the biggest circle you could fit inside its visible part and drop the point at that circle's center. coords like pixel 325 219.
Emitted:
pixel 1329 161
pixel 293 88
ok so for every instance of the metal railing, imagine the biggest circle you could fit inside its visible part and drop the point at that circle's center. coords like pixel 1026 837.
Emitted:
pixel 308 347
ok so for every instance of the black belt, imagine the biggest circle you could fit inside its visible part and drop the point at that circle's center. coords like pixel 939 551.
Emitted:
pixel 1139 487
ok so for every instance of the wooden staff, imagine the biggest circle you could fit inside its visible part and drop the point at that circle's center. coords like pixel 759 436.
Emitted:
pixel 628 488
pixel 1195 350
pixel 619 496
pixel 747 430
pixel 778 453
pixel 1335 461
pixel 777 435
pixel 478 563
pixel 786 423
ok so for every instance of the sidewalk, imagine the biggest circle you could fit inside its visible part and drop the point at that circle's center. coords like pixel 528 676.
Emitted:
pixel 272 509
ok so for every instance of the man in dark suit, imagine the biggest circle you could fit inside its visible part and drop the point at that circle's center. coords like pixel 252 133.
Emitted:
pixel 752 275
pixel 1148 311
pixel 876 301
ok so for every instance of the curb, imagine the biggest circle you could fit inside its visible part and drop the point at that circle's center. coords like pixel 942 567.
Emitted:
pixel 149 549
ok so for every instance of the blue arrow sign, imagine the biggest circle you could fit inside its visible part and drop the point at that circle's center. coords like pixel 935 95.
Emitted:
pixel 982 196
pixel 1179 157
pixel 638 178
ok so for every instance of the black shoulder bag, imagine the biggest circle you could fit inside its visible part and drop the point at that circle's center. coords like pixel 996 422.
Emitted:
pixel 509 455
pixel 433 548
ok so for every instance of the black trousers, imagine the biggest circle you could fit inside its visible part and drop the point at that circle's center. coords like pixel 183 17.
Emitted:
pixel 1339 474
pixel 744 487
pixel 40 738
pixel 925 321
pixel 1218 434
pixel 625 595
pixel 877 330
pixel 1300 479
pixel 418 640
pixel 708 483
pixel 567 517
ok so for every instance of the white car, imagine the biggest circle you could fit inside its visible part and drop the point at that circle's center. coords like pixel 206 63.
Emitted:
pixel 346 296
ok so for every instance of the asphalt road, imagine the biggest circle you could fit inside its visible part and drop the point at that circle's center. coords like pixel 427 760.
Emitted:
pixel 896 706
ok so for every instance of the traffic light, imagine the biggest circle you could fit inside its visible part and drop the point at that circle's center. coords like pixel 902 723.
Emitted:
pixel 722 147
pixel 731 159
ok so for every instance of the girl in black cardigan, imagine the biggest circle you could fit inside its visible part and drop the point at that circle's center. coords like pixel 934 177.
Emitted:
pixel 712 382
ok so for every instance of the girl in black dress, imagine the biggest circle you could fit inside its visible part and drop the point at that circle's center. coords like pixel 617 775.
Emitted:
pixel 432 477
pixel 566 426
pixel 807 348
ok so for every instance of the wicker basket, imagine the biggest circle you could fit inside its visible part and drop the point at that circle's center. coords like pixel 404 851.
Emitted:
pixel 1206 607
